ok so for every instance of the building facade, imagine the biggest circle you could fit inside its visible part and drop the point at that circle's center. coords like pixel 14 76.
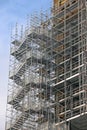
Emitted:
pixel 48 71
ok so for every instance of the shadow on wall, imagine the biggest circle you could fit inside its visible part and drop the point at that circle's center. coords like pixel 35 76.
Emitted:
pixel 79 123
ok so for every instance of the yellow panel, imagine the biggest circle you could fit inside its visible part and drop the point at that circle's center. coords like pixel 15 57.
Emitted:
pixel 63 1
pixel 55 1
pixel 59 2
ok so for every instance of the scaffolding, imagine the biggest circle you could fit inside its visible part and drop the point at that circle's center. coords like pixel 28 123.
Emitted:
pixel 70 30
pixel 48 70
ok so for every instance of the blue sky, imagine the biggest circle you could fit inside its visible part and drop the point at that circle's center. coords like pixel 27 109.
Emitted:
pixel 12 11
